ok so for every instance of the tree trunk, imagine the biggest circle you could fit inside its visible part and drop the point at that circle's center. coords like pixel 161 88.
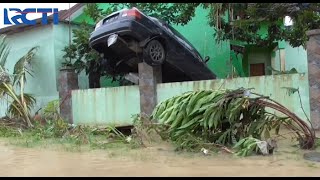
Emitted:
pixel 94 80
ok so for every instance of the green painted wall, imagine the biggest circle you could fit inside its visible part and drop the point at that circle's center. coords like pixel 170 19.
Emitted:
pixel 117 105
pixel 61 39
pixel 201 35
pixel 113 105
pixel 296 58
pixel 43 84
pixel 51 39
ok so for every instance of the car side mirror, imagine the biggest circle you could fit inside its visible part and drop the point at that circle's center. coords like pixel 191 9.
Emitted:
pixel 206 59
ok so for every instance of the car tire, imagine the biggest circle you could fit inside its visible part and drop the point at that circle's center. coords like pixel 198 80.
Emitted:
pixel 154 53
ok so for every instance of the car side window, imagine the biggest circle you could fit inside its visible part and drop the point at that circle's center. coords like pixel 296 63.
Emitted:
pixel 162 24
pixel 174 32
pixel 184 41
pixel 181 39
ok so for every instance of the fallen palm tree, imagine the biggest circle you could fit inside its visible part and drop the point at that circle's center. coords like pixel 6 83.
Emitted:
pixel 225 118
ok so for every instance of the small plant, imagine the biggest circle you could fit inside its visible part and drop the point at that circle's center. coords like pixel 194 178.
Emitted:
pixel 51 110
pixel 246 146
pixel 20 103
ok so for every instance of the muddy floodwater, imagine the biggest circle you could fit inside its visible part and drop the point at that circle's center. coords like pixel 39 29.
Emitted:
pixel 152 161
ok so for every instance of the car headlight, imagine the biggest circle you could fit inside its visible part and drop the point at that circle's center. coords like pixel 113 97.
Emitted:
pixel 98 24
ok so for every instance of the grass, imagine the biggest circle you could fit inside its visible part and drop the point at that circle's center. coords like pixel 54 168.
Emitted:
pixel 58 135
pixel 312 165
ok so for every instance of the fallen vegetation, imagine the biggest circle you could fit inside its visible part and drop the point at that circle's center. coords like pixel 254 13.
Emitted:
pixel 60 132
pixel 235 119
pixel 49 127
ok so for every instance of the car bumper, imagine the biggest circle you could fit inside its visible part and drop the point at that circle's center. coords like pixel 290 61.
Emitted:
pixel 131 28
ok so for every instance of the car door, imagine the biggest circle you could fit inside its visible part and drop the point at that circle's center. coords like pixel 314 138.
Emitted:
pixel 178 49
pixel 192 63
pixel 174 49
pixel 183 55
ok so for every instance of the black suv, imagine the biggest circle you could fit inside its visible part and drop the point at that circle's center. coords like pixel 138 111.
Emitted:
pixel 128 36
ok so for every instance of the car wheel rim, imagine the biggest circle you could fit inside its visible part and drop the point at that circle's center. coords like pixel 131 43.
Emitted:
pixel 156 52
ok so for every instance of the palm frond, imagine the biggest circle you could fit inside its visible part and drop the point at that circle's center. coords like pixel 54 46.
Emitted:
pixel 21 104
pixel 21 67
pixel 2 90
pixel 4 51
pixel 4 77
pixel 15 109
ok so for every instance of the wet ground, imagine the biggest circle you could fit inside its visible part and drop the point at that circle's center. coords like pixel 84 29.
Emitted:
pixel 158 160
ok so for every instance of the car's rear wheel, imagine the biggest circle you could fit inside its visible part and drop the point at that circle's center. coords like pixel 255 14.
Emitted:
pixel 154 53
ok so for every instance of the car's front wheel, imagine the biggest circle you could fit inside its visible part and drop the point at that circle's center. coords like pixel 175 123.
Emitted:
pixel 154 53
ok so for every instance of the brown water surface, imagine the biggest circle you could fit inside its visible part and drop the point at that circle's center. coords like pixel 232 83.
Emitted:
pixel 158 160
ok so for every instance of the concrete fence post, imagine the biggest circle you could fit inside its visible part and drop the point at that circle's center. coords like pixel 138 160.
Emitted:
pixel 313 52
pixel 149 76
pixel 68 81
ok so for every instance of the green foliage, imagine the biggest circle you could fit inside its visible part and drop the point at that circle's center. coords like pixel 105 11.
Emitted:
pixel 215 117
pixel 14 109
pixel 246 146
pixel 59 131
pixel 20 104
pixel 318 142
pixel 4 52
pixel 23 66
pixel 51 110
pixel 79 54
pixel 221 18
pixel 176 13
pixel 9 132
pixel 53 129
pixel 183 12
pixel 253 15
pixel 96 14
